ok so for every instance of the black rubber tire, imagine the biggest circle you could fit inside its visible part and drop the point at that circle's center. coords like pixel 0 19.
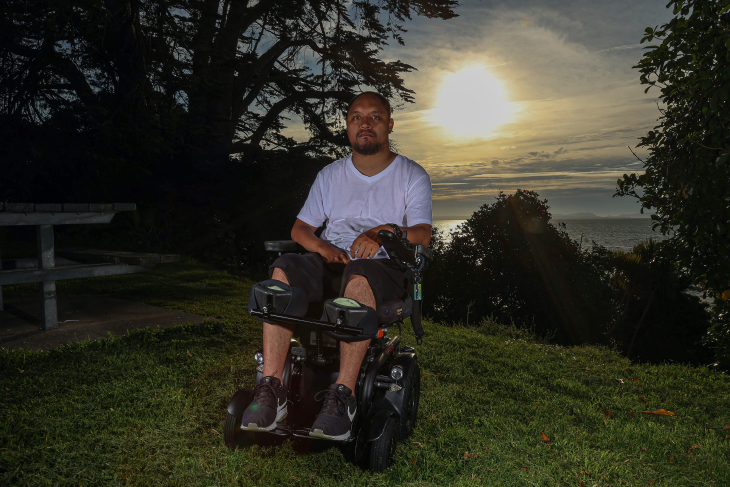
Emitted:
pixel 382 450
pixel 411 398
pixel 232 431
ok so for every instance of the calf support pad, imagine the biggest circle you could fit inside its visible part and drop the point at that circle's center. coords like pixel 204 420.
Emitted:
pixel 350 313
pixel 286 299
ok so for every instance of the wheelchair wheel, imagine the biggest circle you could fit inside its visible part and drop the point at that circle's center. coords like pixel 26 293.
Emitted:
pixel 411 397
pixel 232 431
pixel 382 450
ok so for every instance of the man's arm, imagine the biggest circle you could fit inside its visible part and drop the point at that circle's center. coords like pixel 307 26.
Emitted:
pixel 367 244
pixel 303 234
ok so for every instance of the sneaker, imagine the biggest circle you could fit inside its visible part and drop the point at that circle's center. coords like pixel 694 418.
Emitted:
pixel 267 408
pixel 338 411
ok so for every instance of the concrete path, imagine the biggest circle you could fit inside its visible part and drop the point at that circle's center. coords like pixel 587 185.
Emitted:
pixel 82 317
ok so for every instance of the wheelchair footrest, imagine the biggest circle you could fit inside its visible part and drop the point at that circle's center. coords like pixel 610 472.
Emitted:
pixel 283 430
pixel 304 433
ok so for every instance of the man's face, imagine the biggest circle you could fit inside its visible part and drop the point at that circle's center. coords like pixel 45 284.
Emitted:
pixel 368 125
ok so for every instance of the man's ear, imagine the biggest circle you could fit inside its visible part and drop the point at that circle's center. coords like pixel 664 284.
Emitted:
pixel 390 125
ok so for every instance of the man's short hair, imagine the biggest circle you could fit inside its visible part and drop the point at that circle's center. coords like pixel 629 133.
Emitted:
pixel 380 97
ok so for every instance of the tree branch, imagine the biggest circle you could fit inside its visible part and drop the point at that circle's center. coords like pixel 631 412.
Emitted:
pixel 259 71
pixel 634 153
pixel 46 56
pixel 273 114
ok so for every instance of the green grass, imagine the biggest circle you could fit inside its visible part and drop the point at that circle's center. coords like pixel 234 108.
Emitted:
pixel 139 409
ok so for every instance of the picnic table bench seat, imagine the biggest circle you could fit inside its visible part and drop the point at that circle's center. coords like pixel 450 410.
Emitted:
pixel 65 207
pixel 53 265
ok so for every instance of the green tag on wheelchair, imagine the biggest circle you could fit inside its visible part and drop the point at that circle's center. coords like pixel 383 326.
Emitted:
pixel 417 292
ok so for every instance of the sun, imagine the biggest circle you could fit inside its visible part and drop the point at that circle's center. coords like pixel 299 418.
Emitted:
pixel 472 102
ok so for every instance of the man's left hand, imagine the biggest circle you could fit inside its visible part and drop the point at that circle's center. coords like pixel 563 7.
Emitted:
pixel 366 245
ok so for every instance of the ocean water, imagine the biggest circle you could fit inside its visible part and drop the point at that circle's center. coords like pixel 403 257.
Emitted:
pixel 614 234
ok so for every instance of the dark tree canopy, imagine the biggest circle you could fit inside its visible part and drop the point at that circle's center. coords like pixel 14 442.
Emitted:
pixel 179 106
pixel 687 178
pixel 139 87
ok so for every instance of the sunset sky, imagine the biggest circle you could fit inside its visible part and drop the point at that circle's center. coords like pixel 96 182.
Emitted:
pixel 537 95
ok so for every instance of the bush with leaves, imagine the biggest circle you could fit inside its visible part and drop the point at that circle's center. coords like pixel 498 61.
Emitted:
pixel 508 261
pixel 687 178
pixel 656 318
pixel 253 203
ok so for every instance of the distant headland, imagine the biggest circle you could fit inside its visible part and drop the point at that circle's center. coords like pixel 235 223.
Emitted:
pixel 593 216
pixel 560 216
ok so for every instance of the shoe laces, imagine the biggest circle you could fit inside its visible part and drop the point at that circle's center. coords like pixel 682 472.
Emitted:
pixel 334 403
pixel 264 395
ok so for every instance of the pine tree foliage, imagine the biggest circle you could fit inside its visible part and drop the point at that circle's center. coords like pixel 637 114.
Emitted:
pixel 140 80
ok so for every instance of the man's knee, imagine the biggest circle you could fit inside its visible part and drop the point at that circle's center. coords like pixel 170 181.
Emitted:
pixel 279 275
pixel 358 288
pixel 357 281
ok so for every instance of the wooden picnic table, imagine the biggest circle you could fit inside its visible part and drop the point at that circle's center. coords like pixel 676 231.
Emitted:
pixel 53 265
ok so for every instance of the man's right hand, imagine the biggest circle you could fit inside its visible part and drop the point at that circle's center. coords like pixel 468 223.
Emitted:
pixel 332 255
pixel 303 234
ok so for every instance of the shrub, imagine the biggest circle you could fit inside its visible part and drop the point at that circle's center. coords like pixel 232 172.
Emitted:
pixel 510 262
pixel 656 318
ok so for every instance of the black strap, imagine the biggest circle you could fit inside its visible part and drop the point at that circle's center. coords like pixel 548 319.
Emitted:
pixel 416 322
pixel 396 230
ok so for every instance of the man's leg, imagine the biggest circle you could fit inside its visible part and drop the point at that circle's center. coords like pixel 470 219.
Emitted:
pixel 268 406
pixel 352 353
pixel 339 405
pixel 276 339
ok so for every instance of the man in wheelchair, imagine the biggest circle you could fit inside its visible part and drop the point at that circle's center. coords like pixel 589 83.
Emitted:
pixel 371 191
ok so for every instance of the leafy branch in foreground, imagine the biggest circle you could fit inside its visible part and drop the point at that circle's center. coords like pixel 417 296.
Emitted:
pixel 687 178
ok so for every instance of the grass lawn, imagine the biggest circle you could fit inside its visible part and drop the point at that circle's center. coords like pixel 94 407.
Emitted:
pixel 145 409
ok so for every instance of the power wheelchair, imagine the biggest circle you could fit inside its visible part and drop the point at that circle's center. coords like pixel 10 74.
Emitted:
pixel 388 384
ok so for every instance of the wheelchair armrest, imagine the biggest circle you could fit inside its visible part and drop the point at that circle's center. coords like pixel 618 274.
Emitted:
pixel 281 246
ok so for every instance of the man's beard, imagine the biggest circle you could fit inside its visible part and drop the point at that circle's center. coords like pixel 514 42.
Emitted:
pixel 367 148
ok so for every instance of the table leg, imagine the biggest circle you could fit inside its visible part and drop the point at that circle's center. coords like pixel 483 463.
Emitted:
pixel 47 260
pixel 2 306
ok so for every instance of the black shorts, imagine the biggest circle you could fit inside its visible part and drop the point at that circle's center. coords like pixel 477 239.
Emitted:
pixel 322 281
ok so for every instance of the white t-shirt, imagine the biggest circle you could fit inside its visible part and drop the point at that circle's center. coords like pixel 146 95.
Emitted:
pixel 352 203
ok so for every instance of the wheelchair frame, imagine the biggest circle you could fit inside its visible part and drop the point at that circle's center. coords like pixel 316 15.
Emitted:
pixel 388 384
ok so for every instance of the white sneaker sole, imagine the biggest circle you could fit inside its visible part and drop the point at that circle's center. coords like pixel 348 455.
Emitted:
pixel 318 433
pixel 280 416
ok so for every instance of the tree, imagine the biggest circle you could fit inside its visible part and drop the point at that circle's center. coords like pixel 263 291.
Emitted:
pixel 510 262
pixel 159 89
pixel 687 178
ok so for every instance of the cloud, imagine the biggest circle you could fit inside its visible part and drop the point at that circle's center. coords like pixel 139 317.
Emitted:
pixel 622 48
pixel 567 70
pixel 541 155
pixel 553 174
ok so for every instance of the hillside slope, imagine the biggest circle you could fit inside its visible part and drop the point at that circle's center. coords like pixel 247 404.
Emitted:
pixel 146 409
